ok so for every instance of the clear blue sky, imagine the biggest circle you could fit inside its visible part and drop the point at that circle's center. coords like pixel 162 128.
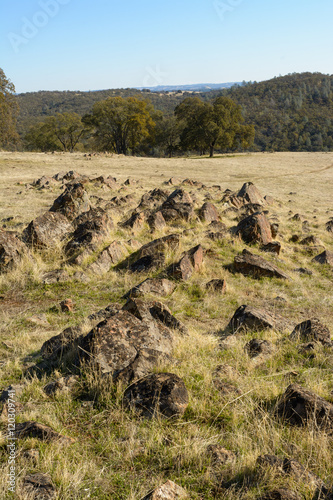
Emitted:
pixel 100 44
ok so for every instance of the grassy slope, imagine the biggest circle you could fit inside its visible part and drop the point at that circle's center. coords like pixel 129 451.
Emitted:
pixel 117 455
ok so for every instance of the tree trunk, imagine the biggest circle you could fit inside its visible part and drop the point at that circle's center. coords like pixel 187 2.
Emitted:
pixel 211 151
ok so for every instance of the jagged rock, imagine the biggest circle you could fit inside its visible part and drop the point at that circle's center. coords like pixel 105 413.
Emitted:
pixel 59 176
pixel 125 346
pixel 220 456
pixel 72 202
pixel 153 199
pixel 311 240
pixel 110 256
pixel 251 318
pixel 131 182
pixel 182 270
pixel 47 230
pixel 303 270
pixel 274 229
pixel 173 181
pixel 272 247
pixel 168 491
pixel 61 384
pixel 255 228
pixel 258 347
pixel 179 205
pixel 91 229
pixel 39 486
pixel 325 257
pixel 136 222
pixel 312 329
pixel 250 194
pixel 217 285
pixel 162 287
pixel 58 346
pixel 11 250
pixel 151 249
pixel 44 182
pixel 72 175
pixel 148 263
pixel 300 406
pixel 157 310
pixel 109 181
pixel 196 255
pixel 156 221
pixel 248 263
pixel 329 226
pixel 160 393
pixel 208 213
pixel 39 431
pixel 56 276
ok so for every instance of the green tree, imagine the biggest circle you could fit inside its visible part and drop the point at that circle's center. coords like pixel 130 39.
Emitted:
pixel 211 125
pixel 120 124
pixel 60 132
pixel 8 112
pixel 168 131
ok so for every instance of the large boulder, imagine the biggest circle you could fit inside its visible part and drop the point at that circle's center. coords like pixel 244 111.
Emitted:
pixel 208 213
pixel 11 250
pixel 179 205
pixel 250 194
pixel 125 346
pixel 254 265
pixel 301 406
pixel 154 250
pixel 92 228
pixel 153 199
pixel 248 318
pixel 109 257
pixel 47 230
pixel 158 394
pixel 72 202
pixel 311 329
pixel 255 229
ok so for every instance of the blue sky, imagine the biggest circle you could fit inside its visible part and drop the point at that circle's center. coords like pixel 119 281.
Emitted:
pixel 100 44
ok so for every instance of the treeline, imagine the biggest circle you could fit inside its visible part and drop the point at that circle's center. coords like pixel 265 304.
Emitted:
pixel 289 113
pixel 133 126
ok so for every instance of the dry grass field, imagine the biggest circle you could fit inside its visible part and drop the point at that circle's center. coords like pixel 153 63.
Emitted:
pixel 117 454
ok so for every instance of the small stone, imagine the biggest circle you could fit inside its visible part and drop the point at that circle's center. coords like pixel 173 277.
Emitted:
pixel 220 456
pixel 168 491
pixel 67 305
pixel 39 486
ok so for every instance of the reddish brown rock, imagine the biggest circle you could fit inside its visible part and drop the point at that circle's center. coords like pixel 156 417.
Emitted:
pixel 208 213
pixel 158 394
pixel 39 431
pixel 47 230
pixel 254 265
pixel 217 285
pixel 109 257
pixel 312 329
pixel 72 202
pixel 11 250
pixel 182 270
pixel 156 221
pixel 38 486
pixel 153 199
pixel 179 205
pixel 300 406
pixel 255 229
pixel 157 286
pixel 196 255
pixel 252 318
pixel 67 305
pixel 325 257
pixel 250 194
pixel 168 491
pixel 136 222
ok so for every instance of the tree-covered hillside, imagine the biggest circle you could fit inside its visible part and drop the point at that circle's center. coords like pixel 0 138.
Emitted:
pixel 289 113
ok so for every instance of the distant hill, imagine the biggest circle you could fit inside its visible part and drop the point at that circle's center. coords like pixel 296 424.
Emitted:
pixel 197 87
pixel 290 113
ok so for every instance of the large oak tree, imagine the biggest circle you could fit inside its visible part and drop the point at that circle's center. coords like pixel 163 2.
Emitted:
pixel 208 125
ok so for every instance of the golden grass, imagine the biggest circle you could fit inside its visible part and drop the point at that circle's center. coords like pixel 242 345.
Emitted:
pixel 118 455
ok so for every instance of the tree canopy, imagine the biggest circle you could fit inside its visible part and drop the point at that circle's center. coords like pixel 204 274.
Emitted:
pixel 120 124
pixel 60 132
pixel 8 112
pixel 210 125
